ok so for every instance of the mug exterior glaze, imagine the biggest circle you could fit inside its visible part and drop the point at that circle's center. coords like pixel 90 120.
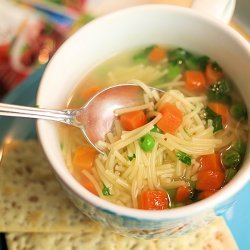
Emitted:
pixel 106 36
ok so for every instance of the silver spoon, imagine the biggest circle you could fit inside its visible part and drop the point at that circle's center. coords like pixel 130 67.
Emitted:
pixel 95 118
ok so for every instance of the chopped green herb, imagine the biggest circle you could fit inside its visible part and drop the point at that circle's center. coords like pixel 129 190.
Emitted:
pixel 216 67
pixel 183 157
pixel 216 119
pixel 192 63
pixel 37 106
pixel 224 86
pixel 188 60
pixel 210 113
pixel 178 56
pixel 131 157
pixel 217 123
pixel 220 92
pixel 203 61
pixel 106 191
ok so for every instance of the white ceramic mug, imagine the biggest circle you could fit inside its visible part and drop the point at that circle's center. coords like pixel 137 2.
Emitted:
pixel 108 35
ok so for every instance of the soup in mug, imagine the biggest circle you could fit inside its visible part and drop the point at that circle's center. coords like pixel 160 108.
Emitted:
pixel 174 149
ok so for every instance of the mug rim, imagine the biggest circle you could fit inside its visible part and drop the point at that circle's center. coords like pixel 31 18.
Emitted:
pixel 234 186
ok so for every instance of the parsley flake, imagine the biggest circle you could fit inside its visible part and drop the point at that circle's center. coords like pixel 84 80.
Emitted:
pixel 183 157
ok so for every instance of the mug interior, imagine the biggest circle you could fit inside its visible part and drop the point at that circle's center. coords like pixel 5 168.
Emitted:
pixel 130 28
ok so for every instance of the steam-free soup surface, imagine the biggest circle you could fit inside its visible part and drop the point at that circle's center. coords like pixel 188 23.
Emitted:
pixel 173 150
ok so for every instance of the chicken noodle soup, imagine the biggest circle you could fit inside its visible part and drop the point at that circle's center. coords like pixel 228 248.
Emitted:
pixel 174 149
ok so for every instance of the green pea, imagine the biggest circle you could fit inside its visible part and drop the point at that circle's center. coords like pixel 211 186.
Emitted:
pixel 173 72
pixel 240 146
pixel 231 158
pixel 147 142
pixel 238 111
pixel 230 173
pixel 156 129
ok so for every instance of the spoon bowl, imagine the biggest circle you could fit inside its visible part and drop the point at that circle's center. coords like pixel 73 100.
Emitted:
pixel 95 118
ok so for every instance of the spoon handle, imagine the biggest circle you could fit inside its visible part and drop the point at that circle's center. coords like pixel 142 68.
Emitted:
pixel 65 116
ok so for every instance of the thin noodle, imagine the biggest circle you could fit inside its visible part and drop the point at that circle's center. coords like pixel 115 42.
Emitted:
pixel 93 181
pixel 134 108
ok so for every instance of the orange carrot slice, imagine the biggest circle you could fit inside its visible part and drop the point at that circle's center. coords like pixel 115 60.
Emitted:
pixel 153 200
pixel 195 80
pixel 171 118
pixel 182 194
pixel 211 162
pixel 84 158
pixel 157 54
pixel 210 180
pixel 204 194
pixel 212 75
pixel 133 120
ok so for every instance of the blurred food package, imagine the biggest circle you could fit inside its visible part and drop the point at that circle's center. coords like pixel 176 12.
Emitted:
pixel 27 41
pixel 71 8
